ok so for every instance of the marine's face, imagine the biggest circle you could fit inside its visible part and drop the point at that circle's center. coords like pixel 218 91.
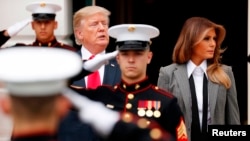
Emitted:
pixel 133 64
pixel 44 30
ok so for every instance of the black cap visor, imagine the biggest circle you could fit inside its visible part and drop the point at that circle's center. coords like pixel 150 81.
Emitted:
pixel 43 17
pixel 132 45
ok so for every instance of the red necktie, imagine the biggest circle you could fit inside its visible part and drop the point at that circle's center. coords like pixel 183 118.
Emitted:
pixel 93 79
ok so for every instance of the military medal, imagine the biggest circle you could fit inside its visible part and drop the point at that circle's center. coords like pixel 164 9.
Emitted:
pixel 141 108
pixel 157 105
pixel 157 114
pixel 149 112
pixel 141 112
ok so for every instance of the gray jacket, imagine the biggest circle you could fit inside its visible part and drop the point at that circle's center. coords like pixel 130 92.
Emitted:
pixel 223 102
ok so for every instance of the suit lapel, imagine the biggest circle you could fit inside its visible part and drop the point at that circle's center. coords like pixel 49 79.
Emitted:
pixel 110 73
pixel 182 80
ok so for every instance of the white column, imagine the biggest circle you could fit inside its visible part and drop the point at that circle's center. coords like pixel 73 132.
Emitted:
pixel 12 11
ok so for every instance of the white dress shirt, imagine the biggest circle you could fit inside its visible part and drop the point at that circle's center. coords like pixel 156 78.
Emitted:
pixel 198 72
pixel 85 56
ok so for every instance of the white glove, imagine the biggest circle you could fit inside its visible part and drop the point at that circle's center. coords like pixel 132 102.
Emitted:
pixel 17 27
pixel 94 113
pixel 99 60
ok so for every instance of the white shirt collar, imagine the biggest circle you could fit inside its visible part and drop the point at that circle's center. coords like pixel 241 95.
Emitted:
pixel 86 54
pixel 191 66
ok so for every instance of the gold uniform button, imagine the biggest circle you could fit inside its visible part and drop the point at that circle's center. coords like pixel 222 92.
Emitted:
pixel 130 96
pixel 127 117
pixel 128 105
pixel 155 133
pixel 156 88
pixel 143 123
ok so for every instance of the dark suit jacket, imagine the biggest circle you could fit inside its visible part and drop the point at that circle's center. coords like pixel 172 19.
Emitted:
pixel 112 74
pixel 71 128
pixel 222 102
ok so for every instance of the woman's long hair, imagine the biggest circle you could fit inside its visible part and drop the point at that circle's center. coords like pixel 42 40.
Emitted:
pixel 193 31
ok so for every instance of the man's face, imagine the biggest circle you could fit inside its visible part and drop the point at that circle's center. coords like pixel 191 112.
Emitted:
pixel 44 30
pixel 133 64
pixel 95 31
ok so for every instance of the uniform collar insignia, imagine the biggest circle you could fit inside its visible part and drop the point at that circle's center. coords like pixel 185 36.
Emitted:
pixel 135 86
pixel 49 44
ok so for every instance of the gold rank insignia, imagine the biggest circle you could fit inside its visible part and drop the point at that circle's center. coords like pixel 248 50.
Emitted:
pixel 181 131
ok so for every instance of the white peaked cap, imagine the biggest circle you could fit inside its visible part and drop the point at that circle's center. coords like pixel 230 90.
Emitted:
pixel 36 71
pixel 139 32
pixel 43 7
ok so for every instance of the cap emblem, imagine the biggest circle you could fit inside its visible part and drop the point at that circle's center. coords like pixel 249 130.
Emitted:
pixel 133 36
pixel 43 4
pixel 131 28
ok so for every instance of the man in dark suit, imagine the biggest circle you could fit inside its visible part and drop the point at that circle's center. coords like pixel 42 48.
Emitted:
pixel 90 26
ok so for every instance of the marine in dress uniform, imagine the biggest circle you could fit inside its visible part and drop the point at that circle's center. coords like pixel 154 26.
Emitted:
pixel 54 44
pixel 43 12
pixel 35 88
pixel 42 97
pixel 128 126
pixel 141 97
